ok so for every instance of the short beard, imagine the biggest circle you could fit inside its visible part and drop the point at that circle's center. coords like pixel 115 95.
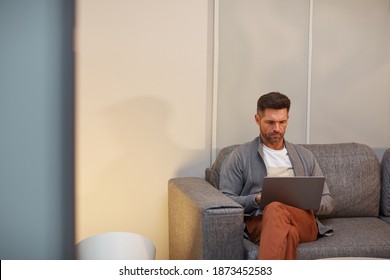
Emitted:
pixel 273 140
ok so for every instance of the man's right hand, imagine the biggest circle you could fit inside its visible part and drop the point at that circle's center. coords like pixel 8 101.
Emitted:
pixel 258 198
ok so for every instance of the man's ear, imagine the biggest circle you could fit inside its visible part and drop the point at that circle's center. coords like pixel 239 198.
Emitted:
pixel 257 119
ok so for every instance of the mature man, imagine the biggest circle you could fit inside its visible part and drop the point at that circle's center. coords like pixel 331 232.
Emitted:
pixel 279 228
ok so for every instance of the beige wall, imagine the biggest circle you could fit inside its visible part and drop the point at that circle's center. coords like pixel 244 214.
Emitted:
pixel 143 110
pixel 332 57
pixel 351 72
pixel 263 47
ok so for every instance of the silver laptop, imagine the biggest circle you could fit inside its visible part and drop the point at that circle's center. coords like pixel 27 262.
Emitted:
pixel 301 192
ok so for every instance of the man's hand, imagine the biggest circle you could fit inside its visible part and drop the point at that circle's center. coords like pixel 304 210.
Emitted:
pixel 258 198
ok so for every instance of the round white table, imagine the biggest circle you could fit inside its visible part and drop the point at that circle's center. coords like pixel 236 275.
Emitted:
pixel 116 246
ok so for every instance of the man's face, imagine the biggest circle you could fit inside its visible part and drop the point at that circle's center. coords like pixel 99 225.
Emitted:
pixel 272 124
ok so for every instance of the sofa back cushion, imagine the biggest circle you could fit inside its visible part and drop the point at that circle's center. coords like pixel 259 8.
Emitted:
pixel 212 173
pixel 385 175
pixel 352 173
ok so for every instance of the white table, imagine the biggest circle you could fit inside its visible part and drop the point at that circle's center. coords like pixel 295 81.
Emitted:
pixel 116 246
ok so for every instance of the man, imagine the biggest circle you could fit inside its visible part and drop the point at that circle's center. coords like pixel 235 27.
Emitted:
pixel 279 228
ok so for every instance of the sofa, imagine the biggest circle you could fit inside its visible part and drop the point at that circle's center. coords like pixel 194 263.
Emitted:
pixel 206 224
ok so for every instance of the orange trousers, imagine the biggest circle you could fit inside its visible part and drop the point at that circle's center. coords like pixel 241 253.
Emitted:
pixel 280 229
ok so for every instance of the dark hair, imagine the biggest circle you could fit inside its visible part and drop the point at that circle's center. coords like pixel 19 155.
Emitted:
pixel 273 100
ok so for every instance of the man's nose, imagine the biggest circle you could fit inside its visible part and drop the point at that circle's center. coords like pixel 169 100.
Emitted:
pixel 276 127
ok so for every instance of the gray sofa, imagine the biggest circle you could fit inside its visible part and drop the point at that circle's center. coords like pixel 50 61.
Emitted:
pixel 205 224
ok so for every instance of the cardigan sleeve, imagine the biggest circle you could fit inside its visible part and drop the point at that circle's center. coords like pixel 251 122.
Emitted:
pixel 232 183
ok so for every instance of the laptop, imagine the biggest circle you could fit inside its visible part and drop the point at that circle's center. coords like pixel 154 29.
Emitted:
pixel 301 192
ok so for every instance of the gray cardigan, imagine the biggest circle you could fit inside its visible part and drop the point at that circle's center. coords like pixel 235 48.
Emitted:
pixel 243 171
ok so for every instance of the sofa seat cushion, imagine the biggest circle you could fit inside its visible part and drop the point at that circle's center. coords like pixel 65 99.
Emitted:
pixel 354 237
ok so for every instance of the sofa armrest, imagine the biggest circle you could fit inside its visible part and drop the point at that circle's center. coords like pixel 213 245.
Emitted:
pixel 203 222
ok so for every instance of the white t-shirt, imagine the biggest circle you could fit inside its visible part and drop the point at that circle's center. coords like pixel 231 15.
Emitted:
pixel 277 162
